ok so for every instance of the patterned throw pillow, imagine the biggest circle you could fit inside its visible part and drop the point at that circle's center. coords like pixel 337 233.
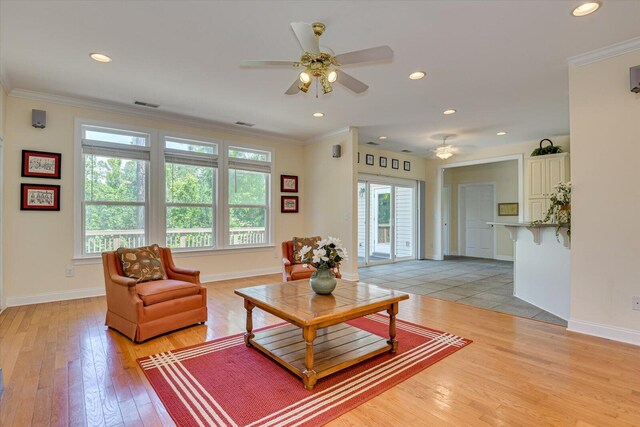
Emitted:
pixel 299 242
pixel 142 263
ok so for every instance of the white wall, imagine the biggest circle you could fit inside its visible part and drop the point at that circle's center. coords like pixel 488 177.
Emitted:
pixel 330 200
pixel 505 177
pixel 38 246
pixel 605 130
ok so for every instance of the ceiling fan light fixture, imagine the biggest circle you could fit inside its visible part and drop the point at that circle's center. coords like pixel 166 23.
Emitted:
pixel 444 155
pixel 304 86
pixel 332 76
pixel 326 86
pixel 586 8
pixel 305 78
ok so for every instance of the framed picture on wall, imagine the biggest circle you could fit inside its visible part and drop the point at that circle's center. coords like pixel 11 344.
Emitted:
pixel 41 164
pixel 288 183
pixel 358 157
pixel 36 197
pixel 289 204
pixel 369 159
pixel 407 166
pixel 395 164
pixel 507 209
pixel 383 162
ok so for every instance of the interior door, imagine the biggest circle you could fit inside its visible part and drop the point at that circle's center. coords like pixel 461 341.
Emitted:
pixel 446 206
pixel 478 205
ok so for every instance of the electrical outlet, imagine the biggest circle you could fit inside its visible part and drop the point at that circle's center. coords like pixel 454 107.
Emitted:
pixel 69 272
pixel 636 303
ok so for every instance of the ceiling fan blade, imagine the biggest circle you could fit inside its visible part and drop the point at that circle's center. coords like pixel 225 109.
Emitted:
pixel 380 53
pixel 306 37
pixel 247 64
pixel 293 89
pixel 351 82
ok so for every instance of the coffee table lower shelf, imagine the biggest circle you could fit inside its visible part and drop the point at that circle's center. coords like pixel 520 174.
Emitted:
pixel 335 347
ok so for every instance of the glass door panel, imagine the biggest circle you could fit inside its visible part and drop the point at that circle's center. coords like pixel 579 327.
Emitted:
pixel 380 229
pixel 362 222
pixel 404 222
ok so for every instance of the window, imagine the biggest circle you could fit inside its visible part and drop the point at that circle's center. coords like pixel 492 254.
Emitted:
pixel 248 196
pixel 114 198
pixel 139 187
pixel 190 181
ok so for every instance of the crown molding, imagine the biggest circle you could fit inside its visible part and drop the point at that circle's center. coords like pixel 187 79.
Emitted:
pixel 4 80
pixel 154 115
pixel 606 52
pixel 331 134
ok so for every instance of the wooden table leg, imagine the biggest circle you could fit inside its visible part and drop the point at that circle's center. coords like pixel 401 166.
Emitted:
pixel 249 334
pixel 310 377
pixel 392 311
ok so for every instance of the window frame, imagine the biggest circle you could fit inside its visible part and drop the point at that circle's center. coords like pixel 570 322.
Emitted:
pixel 155 182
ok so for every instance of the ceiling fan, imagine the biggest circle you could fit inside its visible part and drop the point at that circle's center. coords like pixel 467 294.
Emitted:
pixel 324 66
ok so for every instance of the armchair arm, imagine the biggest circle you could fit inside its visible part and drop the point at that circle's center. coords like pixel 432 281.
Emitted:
pixel 286 262
pixel 123 281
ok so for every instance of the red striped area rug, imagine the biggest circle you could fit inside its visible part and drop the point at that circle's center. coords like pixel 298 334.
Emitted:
pixel 225 383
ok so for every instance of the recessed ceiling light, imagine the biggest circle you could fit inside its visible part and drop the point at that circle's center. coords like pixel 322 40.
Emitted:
pixel 447 112
pixel 417 75
pixel 382 138
pixel 586 8
pixel 100 57
pixel 501 133
pixel 318 114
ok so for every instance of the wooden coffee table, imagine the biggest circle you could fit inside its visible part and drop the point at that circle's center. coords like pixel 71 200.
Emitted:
pixel 326 344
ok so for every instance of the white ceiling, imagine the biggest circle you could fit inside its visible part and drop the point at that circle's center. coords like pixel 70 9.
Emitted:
pixel 501 64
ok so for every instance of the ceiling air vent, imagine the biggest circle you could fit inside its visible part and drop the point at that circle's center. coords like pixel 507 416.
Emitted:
pixel 372 143
pixel 249 125
pixel 406 151
pixel 146 104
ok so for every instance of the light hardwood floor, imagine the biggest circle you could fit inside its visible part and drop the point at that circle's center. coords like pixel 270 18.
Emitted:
pixel 63 367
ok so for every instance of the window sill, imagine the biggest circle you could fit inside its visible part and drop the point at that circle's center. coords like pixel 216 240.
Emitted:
pixel 184 253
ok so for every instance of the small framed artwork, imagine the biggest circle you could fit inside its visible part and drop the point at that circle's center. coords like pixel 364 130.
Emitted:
pixel 41 164
pixel 383 162
pixel 407 166
pixel 289 204
pixel 507 209
pixel 358 157
pixel 288 183
pixel 369 159
pixel 36 197
pixel 395 164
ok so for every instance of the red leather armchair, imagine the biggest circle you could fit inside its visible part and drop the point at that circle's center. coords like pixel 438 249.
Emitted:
pixel 144 310
pixel 291 271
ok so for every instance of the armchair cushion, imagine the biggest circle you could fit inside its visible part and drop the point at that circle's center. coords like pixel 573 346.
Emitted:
pixel 158 291
pixel 143 264
pixel 299 242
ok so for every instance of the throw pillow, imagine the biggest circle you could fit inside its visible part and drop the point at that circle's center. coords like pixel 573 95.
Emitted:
pixel 142 263
pixel 299 242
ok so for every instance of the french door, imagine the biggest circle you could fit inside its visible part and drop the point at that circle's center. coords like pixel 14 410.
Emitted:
pixel 386 220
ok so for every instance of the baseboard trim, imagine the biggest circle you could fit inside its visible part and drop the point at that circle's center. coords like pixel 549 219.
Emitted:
pixel 503 258
pixel 239 274
pixel 630 336
pixel 53 296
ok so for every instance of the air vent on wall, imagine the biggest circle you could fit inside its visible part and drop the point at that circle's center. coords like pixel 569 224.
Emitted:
pixel 406 151
pixel 372 143
pixel 245 124
pixel 146 104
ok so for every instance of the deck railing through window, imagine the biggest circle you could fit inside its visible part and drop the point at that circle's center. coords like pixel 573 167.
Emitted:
pixel 97 241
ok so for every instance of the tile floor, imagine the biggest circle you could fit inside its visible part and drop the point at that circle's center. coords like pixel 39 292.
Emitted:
pixel 479 282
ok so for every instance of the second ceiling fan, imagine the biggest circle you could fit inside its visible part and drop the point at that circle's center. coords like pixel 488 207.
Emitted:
pixel 323 66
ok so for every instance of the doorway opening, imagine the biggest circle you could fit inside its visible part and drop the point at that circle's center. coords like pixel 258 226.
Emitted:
pixel 386 221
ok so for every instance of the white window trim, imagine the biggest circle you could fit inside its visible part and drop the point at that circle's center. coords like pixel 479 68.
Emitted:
pixel 156 194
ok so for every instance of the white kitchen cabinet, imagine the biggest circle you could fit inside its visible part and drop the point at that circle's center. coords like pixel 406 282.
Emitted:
pixel 542 175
